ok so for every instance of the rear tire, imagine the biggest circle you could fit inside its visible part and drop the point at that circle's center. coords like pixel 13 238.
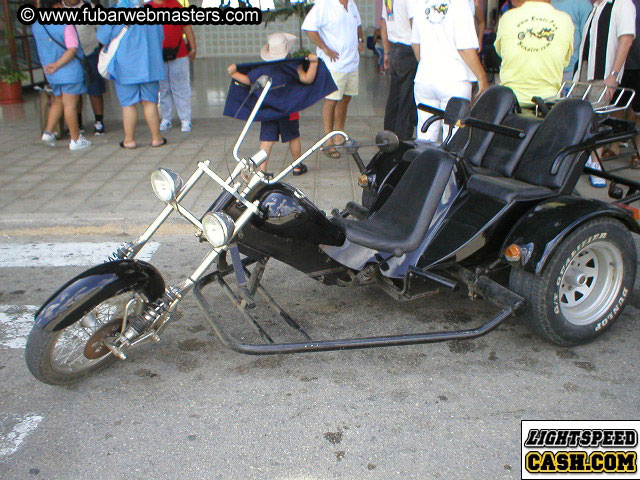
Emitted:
pixel 58 357
pixel 584 286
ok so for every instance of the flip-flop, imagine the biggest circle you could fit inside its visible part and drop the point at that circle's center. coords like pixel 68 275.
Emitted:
pixel 331 152
pixel 164 142
pixel 122 145
pixel 300 169
pixel 635 162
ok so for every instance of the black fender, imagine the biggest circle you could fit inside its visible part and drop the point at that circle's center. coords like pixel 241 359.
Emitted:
pixel 542 228
pixel 79 295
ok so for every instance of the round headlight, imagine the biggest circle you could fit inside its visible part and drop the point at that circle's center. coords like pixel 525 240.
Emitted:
pixel 166 184
pixel 218 228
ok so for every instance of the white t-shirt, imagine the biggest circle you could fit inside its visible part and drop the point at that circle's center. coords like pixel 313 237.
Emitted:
pixel 395 13
pixel 338 29
pixel 622 21
pixel 441 28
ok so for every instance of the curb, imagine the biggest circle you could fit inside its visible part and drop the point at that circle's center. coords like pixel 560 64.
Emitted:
pixel 128 225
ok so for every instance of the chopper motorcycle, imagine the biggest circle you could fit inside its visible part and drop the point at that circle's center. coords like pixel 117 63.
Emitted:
pixel 496 197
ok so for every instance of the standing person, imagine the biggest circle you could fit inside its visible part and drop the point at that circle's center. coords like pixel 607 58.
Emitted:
pixel 176 86
pixel 579 11
pixel 631 79
pixel 286 129
pixel 477 9
pixel 535 42
pixel 606 40
pixel 95 83
pixel 395 26
pixel 445 43
pixel 334 26
pixel 59 53
pixel 136 69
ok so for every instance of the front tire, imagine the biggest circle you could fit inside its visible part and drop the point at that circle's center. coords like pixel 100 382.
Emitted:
pixel 585 285
pixel 59 357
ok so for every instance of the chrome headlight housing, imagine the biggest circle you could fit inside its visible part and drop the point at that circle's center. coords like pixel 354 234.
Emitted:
pixel 166 184
pixel 218 228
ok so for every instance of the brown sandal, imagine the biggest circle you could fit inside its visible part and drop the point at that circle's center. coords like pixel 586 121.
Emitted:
pixel 635 162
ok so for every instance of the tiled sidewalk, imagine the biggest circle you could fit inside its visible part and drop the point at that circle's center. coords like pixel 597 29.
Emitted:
pixel 105 188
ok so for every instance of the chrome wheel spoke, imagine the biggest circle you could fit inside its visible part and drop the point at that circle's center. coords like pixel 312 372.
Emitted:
pixel 591 282
pixel 68 351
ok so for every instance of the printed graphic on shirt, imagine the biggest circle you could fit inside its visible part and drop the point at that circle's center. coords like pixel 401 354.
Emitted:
pixel 535 34
pixel 389 5
pixel 436 10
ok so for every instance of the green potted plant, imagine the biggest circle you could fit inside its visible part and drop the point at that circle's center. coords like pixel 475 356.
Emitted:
pixel 11 76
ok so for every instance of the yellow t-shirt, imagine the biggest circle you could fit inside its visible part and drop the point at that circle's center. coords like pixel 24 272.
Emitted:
pixel 535 42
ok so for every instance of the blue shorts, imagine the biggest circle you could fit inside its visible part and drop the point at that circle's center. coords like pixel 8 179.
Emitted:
pixel 95 85
pixel 70 88
pixel 135 93
pixel 284 128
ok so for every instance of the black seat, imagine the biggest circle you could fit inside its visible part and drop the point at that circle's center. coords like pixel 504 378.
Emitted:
pixel 402 221
pixel 567 124
pixel 492 106
pixel 505 152
pixel 506 189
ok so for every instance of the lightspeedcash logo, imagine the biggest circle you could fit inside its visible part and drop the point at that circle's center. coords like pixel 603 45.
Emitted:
pixel 580 449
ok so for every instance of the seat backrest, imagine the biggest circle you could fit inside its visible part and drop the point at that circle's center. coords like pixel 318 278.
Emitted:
pixel 492 106
pixel 568 123
pixel 411 206
pixel 505 152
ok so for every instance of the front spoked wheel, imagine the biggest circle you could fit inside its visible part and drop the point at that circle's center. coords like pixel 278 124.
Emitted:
pixel 585 285
pixel 75 352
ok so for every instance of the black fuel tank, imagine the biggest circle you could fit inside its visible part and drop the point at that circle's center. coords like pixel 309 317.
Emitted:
pixel 289 213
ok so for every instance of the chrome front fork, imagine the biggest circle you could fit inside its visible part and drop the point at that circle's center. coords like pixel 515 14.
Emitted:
pixel 147 325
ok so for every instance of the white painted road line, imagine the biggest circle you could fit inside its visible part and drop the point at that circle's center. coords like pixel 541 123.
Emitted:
pixel 67 254
pixel 14 429
pixel 15 324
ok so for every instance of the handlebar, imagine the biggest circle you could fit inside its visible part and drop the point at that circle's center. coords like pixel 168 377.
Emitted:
pixel 265 82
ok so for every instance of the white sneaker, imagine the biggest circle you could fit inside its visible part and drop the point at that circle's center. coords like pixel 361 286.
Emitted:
pixel 48 138
pixel 186 126
pixel 597 182
pixel 79 144
pixel 165 125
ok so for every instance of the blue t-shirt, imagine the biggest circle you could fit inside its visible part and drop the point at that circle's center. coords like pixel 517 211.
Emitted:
pixel 579 11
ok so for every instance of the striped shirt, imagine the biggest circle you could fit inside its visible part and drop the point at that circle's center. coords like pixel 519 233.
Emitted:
pixel 608 20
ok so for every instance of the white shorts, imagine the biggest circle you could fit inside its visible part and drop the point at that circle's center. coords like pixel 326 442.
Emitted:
pixel 437 95
pixel 347 84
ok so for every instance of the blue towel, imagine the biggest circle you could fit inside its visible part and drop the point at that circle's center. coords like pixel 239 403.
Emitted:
pixel 287 95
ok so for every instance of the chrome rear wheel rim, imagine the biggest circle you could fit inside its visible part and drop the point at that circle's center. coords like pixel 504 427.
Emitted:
pixel 591 283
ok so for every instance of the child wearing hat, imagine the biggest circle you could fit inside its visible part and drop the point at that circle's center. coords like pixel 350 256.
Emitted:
pixel 287 129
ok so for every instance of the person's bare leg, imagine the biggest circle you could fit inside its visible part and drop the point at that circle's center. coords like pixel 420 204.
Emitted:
pixel 341 114
pixel 295 148
pixel 328 117
pixel 266 146
pixel 97 104
pixel 129 120
pixel 70 105
pixel 55 112
pixel 152 118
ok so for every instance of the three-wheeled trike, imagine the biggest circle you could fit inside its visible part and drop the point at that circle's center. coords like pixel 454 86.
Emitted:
pixel 497 196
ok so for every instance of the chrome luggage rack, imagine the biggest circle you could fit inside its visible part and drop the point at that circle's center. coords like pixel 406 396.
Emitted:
pixel 620 100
